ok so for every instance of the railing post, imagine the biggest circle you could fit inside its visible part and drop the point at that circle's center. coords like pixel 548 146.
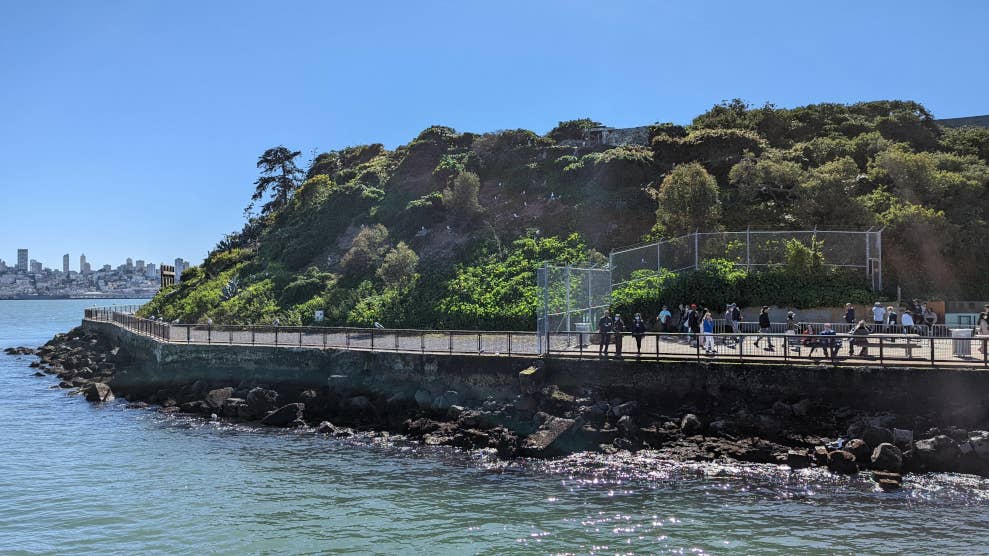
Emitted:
pixel 347 333
pixel 932 350
pixel 372 339
pixel 698 346
pixel 479 350
pixel 397 344
pixel 276 335
pixel 509 344
pixel 253 330
pixel 209 333
pixel 422 341
pixel 881 361
pixel 657 346
pixel 450 335
pixel 580 343
pixel 324 338
pixel 301 331
pixel 188 334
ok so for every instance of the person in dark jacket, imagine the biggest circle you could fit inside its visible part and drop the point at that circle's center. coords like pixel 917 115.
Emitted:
pixel 849 313
pixel 859 338
pixel 765 327
pixel 694 324
pixel 605 326
pixel 638 332
pixel 619 328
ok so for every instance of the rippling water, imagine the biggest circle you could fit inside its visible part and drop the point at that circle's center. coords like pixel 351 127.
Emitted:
pixel 75 478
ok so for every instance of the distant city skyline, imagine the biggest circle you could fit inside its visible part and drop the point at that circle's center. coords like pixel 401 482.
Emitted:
pixel 134 127
pixel 26 255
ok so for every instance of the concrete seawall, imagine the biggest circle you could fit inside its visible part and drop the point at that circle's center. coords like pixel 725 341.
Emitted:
pixel 956 395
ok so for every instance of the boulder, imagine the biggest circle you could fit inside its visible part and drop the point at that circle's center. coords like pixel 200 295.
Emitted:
pixel 887 457
pixel 859 449
pixel 888 481
pixel 259 402
pixel 550 439
pixel 874 436
pixel 627 408
pixel 821 455
pixel 98 392
pixel 285 416
pixel 216 398
pixel 797 459
pixel 980 444
pixel 234 407
pixel 842 461
pixel 626 425
pixel 330 429
pixel 936 454
pixel 691 425
pixel 423 399
pixel 195 406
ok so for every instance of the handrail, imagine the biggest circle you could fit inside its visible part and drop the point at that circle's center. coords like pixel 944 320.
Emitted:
pixel 744 347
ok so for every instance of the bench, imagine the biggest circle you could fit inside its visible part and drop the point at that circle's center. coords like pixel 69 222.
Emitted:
pixel 906 343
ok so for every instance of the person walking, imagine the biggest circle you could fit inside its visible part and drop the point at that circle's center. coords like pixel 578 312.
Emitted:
pixel 878 316
pixel 618 326
pixel 665 319
pixel 708 329
pixel 792 331
pixel 605 326
pixel 850 314
pixel 638 332
pixel 765 328
pixel 982 327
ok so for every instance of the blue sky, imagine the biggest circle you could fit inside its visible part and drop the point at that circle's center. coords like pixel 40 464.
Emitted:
pixel 132 128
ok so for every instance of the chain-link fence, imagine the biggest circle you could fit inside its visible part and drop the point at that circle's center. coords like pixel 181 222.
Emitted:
pixel 572 299
pixel 852 249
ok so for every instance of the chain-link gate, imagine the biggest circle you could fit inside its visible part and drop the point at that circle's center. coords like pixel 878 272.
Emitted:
pixel 572 299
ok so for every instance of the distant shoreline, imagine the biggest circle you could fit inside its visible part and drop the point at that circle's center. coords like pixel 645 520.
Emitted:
pixel 49 297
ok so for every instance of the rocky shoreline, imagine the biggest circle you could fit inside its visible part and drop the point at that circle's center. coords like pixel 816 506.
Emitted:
pixel 544 421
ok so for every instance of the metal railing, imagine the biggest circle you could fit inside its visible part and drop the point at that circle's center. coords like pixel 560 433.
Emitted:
pixel 841 349
pixel 752 327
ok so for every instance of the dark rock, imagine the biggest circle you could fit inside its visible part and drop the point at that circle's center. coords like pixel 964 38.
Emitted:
pixel 216 398
pixel 98 392
pixel 887 457
pixel 330 429
pixel 137 405
pixel 627 408
pixel 287 415
pixel 903 438
pixel 169 409
pixel 455 411
pixel 888 481
pixel 39 373
pixel 859 449
pixel 626 425
pixel 798 459
pixel 936 454
pixel 841 461
pixel 691 425
pixel 874 436
pixel 423 399
pixel 234 407
pixel 260 402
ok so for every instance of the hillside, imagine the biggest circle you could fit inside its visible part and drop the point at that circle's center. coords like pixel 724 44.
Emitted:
pixel 446 231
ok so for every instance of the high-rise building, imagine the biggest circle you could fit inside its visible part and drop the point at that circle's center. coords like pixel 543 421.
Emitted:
pixel 65 263
pixel 22 260
pixel 150 270
pixel 35 267
pixel 129 265
pixel 180 265
pixel 3 265
pixel 139 265
pixel 82 264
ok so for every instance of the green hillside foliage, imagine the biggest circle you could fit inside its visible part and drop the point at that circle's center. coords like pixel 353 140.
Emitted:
pixel 448 230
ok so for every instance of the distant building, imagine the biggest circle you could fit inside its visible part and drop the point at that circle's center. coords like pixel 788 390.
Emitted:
pixel 150 270
pixel 139 265
pixel 65 263
pixel 107 268
pixel 129 265
pixel 180 266
pixel 3 265
pixel 35 267
pixel 83 266
pixel 22 260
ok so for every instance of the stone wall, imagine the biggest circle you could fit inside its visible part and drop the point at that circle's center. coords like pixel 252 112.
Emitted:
pixel 961 396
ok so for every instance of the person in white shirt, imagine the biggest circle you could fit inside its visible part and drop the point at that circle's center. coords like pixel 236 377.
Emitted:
pixel 906 320
pixel 878 316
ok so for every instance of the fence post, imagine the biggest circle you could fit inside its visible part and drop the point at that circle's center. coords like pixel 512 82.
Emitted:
pixel 451 341
pixel 580 343
pixel 324 338
pixel 209 333
pixel 509 343
pixel 479 350
pixel 698 348
pixel 276 335
pixel 422 341
pixel 932 349
pixel 881 360
pixel 697 264
pixel 372 339
pixel 253 329
pixel 301 331
pixel 188 334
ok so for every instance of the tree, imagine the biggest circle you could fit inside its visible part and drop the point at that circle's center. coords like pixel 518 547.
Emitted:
pixel 365 251
pixel 688 200
pixel 460 199
pixel 572 129
pixel 279 175
pixel 399 265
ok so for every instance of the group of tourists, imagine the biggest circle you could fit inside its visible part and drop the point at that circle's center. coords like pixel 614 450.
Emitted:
pixel 700 329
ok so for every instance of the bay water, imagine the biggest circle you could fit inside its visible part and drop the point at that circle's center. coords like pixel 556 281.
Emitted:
pixel 76 478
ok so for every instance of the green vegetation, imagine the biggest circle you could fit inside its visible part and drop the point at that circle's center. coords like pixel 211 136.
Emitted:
pixel 447 231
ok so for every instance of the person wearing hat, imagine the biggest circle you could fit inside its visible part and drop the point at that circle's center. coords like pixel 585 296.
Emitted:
pixel 878 316
pixel 638 332
pixel 694 324
pixel 765 328
pixel 849 313
pixel 605 326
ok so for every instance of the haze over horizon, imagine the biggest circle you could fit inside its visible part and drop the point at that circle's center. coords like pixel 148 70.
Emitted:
pixel 132 129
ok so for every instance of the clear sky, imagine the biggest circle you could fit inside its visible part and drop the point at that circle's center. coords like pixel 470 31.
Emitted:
pixel 132 128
